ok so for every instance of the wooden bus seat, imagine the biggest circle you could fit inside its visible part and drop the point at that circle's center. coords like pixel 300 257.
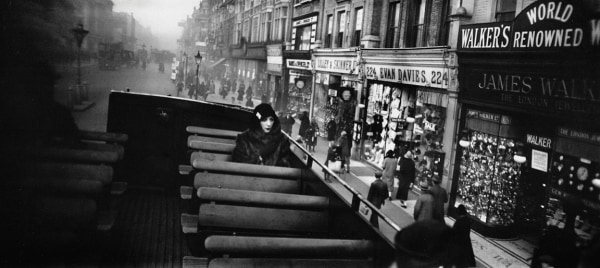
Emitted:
pixel 101 173
pixel 189 223
pixel 185 169
pixel 248 169
pixel 104 136
pixel 231 134
pixel 210 139
pixel 271 219
pixel 249 183
pixel 209 157
pixel 211 146
pixel 288 246
pixel 252 198
pixel 288 263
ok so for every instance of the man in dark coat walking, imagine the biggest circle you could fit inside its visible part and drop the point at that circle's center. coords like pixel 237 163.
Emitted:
pixel 440 197
pixel 378 193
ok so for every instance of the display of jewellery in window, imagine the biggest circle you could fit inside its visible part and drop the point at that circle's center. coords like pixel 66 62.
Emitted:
pixel 488 179
pixel 575 181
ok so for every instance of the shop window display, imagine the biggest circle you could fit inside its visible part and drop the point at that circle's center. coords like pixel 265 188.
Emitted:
pixel 428 136
pixel 575 182
pixel 299 93
pixel 386 126
pixel 488 179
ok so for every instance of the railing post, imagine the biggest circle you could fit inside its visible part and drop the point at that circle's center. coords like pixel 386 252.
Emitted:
pixel 309 162
pixel 355 202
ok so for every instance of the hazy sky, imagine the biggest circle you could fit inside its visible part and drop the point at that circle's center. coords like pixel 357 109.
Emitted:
pixel 161 16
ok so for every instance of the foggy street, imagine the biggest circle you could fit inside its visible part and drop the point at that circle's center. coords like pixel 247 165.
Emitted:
pixel 101 82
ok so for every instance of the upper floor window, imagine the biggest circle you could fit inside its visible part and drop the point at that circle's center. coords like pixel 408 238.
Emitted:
pixel 255 30
pixel 393 29
pixel 303 37
pixel 329 32
pixel 505 10
pixel 279 23
pixel 417 33
pixel 445 20
pixel 265 27
pixel 357 27
pixel 339 40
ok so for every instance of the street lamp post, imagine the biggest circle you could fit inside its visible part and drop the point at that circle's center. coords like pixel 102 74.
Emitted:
pixel 198 61
pixel 79 33
pixel 185 71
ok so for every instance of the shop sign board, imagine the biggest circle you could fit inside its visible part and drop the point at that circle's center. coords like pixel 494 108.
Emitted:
pixel 484 115
pixel 539 141
pixel 411 75
pixel 582 135
pixel 543 25
pixel 309 20
pixel 345 65
pixel 539 160
pixel 274 59
pixel 539 91
pixel 299 64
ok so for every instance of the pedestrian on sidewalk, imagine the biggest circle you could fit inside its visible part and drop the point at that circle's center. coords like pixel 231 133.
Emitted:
pixel 462 230
pixel 311 136
pixel 287 122
pixel 179 87
pixel 334 154
pixel 331 129
pixel 378 193
pixel 389 170
pixel 425 206
pixel 240 96
pixel 440 197
pixel 406 176
pixel 342 142
pixel 304 124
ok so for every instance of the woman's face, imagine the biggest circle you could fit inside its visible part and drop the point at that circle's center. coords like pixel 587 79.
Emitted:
pixel 267 124
pixel 346 95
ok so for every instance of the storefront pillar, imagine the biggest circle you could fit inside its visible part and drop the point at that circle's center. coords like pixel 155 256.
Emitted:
pixel 450 138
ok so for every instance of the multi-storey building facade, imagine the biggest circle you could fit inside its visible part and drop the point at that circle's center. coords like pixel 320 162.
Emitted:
pixel 412 90
pixel 529 152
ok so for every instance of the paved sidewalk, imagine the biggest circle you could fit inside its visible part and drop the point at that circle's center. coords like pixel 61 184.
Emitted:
pixel 488 252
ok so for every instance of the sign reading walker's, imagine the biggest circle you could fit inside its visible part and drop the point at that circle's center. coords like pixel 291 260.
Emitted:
pixel 543 25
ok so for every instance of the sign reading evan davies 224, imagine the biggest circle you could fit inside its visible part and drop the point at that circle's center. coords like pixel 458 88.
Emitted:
pixel 420 76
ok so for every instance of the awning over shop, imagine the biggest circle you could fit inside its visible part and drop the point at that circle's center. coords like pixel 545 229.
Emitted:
pixel 220 61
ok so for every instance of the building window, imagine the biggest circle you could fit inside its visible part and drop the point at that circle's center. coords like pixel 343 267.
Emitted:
pixel 505 10
pixel 358 27
pixel 339 40
pixel 246 30
pixel 279 22
pixel 417 31
pixel 329 32
pixel 267 26
pixel 255 30
pixel 393 31
pixel 445 27
pixel 303 37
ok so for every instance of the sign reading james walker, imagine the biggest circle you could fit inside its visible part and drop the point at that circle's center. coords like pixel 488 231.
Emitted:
pixel 543 25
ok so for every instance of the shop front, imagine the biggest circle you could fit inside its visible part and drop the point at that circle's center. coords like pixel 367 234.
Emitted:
pixel 274 74
pixel 529 150
pixel 336 72
pixel 299 88
pixel 406 100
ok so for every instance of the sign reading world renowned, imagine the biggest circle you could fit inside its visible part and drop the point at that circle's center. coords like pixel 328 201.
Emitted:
pixel 543 25
pixel 420 76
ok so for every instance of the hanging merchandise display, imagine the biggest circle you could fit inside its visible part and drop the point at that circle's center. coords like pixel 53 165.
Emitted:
pixel 428 133
pixel 386 124
pixel 299 91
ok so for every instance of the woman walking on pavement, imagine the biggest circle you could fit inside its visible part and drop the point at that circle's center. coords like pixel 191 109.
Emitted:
pixel 342 142
pixel 389 170
pixel 406 176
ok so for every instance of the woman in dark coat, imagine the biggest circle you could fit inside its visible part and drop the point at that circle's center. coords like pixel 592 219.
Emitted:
pixel 331 129
pixel 304 124
pixel 342 142
pixel 262 143
pixel 462 230
pixel 406 176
